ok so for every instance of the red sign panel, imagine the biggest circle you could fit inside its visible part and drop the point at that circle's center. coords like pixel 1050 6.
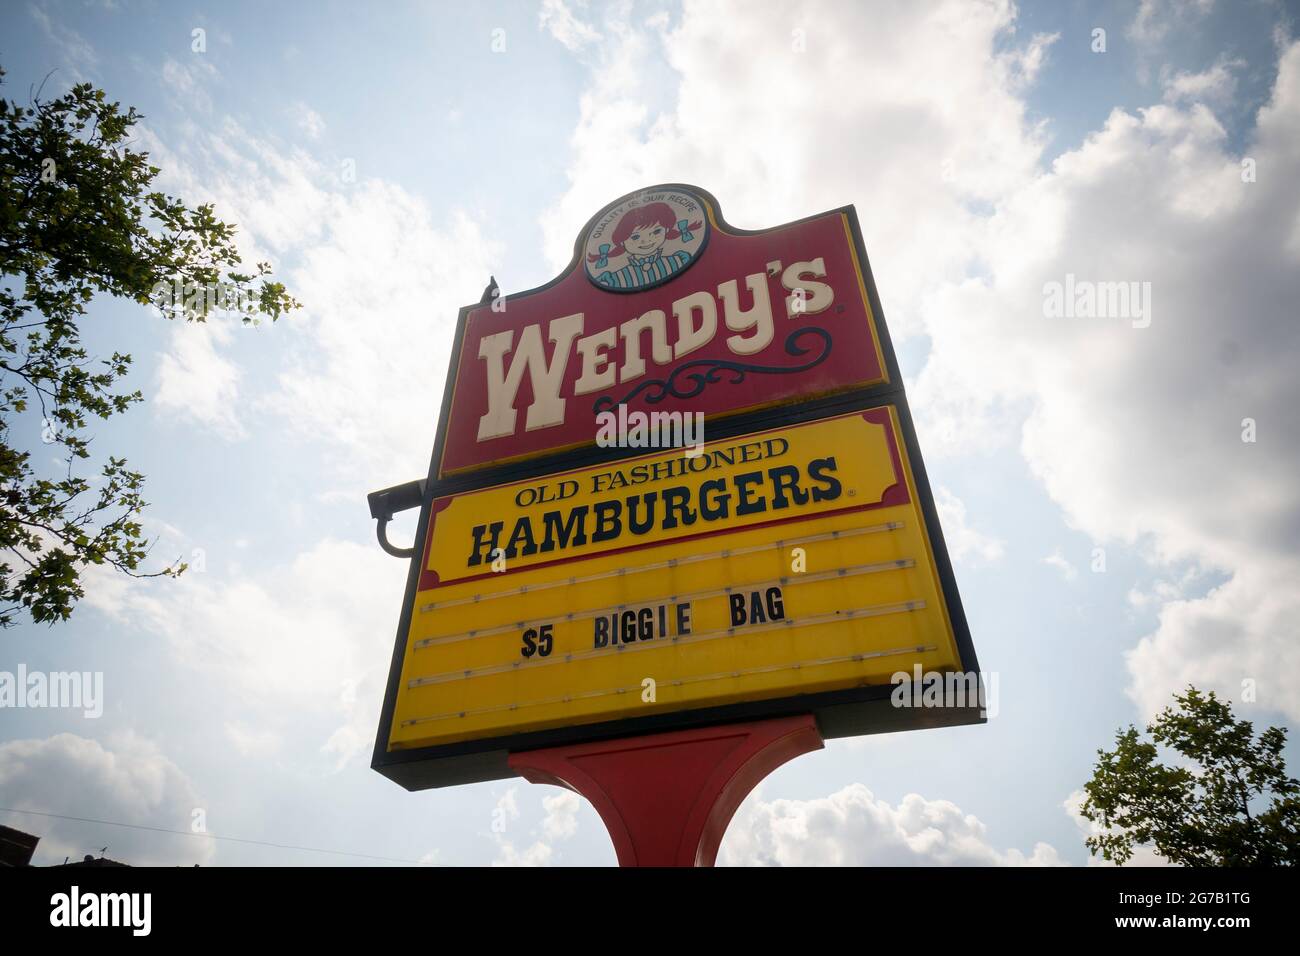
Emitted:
pixel 664 309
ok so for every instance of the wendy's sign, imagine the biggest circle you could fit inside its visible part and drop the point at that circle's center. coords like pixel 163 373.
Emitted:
pixel 664 308
pixel 563 589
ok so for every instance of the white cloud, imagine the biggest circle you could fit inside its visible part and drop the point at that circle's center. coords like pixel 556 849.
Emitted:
pixel 187 82
pixel 252 741
pixel 291 644
pixel 965 544
pixel 558 19
pixel 195 384
pixel 1163 591
pixel 129 781
pixel 1058 561
pixel 852 827
pixel 561 820
pixel 78 53
pixel 309 121
pixel 382 292
pixel 1243 630
pixel 1154 18
pixel 1215 86
pixel 537 854
pixel 507 806
pixel 1137 433
pixel 1027 62
pixel 364 360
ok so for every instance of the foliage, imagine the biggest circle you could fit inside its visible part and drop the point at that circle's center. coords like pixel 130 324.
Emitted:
pixel 79 218
pixel 1208 810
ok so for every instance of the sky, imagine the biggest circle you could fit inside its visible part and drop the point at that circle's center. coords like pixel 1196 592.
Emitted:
pixel 1114 537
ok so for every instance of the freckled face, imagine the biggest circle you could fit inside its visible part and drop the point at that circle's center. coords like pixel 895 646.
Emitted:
pixel 644 240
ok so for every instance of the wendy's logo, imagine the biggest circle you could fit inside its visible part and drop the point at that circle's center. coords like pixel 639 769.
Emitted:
pixel 645 240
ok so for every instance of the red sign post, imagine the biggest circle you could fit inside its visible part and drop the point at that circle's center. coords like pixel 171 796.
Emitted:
pixel 666 799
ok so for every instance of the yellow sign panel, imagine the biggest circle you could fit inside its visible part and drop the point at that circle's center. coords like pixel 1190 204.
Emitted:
pixel 786 562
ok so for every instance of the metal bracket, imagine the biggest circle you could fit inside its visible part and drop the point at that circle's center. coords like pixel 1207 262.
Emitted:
pixel 388 502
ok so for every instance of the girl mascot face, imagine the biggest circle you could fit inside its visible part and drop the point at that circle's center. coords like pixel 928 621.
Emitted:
pixel 649 236
pixel 640 237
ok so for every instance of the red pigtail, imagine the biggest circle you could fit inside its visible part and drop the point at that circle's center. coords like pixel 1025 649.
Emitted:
pixel 674 234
